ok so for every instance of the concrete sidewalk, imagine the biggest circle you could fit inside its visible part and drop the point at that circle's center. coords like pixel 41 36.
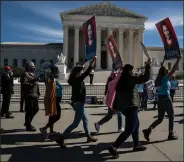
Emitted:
pixel 19 145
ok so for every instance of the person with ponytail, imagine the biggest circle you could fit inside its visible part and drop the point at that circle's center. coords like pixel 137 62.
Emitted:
pixel 128 102
pixel 110 111
pixel 164 101
pixel 76 80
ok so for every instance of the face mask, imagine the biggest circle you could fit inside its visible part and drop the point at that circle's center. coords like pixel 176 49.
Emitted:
pixel 56 76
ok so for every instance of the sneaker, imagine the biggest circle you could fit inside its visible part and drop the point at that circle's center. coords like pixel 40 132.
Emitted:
pixel 113 151
pixel 97 126
pixel 91 139
pixel 147 133
pixel 139 148
pixel 121 130
pixel 171 136
pixel 9 116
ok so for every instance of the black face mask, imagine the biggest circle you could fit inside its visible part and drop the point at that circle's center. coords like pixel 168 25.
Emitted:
pixel 56 76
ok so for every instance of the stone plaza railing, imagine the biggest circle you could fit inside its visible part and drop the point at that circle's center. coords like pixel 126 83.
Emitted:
pixel 97 89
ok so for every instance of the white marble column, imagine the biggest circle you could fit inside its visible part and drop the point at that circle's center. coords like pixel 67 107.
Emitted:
pixel 76 45
pixel 98 48
pixel 121 43
pixel 65 43
pixel 109 59
pixel 130 48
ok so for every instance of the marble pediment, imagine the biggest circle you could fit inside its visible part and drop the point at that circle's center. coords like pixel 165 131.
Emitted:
pixel 103 9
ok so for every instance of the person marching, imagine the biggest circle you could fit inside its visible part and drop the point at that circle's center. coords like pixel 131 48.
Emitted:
pixel 127 101
pixel 164 101
pixel 52 99
pixel 110 111
pixel 76 80
pixel 6 91
pixel 22 95
pixel 91 76
pixel 174 85
pixel 31 95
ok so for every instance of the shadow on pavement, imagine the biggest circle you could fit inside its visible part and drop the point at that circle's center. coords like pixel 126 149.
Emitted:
pixel 176 115
pixel 11 139
pixel 179 106
pixel 95 106
pixel 43 153
pixel 180 121
pixel 51 153
pixel 13 131
pixel 101 114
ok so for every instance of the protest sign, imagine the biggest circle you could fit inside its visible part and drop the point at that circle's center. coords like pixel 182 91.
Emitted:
pixel 89 30
pixel 145 50
pixel 169 38
pixel 114 53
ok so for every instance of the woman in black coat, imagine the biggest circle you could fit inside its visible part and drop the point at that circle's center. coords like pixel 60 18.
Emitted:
pixel 127 101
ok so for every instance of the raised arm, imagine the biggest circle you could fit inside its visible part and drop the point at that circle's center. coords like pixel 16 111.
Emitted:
pixel 174 67
pixel 88 71
pixel 144 77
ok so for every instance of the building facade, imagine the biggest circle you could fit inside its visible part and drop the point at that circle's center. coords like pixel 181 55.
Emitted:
pixel 17 54
pixel 126 27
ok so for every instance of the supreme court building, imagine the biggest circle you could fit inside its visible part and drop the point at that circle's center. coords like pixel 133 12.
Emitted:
pixel 127 28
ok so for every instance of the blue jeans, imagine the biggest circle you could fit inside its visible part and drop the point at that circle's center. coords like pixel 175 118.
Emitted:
pixel 164 105
pixel 80 114
pixel 131 128
pixel 109 116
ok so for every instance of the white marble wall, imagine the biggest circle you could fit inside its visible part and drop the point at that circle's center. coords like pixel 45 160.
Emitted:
pixel 158 52
pixel 45 52
pixel 30 52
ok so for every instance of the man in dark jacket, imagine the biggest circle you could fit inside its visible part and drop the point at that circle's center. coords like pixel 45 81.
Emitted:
pixel 31 95
pixel 6 91
pixel 22 95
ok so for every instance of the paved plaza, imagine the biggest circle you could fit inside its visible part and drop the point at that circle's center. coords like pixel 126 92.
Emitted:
pixel 19 145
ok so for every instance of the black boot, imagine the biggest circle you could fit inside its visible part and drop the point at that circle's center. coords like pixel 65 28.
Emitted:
pixel 61 142
pixel 9 116
pixel 113 151
pixel 1 131
pixel 31 128
pixel 139 148
pixel 171 136
pixel 147 133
